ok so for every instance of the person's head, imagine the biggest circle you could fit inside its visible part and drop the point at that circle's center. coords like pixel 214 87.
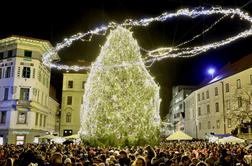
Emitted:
pixel 185 160
pixel 201 163
pixel 123 154
pixel 139 161
pixel 56 159
pixel 67 162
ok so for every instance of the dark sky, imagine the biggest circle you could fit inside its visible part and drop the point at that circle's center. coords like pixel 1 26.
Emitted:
pixel 55 20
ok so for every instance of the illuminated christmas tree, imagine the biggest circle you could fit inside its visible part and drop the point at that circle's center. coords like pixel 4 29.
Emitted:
pixel 121 100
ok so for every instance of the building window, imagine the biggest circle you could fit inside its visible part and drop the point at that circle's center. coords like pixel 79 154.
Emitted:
pixel 199 111
pixel 207 94
pixel 37 117
pixel 40 120
pixel 68 117
pixel 216 91
pixel 180 106
pixel 18 72
pixel 198 97
pixel 6 93
pixel 228 104
pixel 239 99
pixel 208 109
pixel 218 124
pixel 24 93
pixel 229 123
pixel 1 55
pixel 238 83
pixel 70 84
pixel 199 125
pixel 217 107
pixel 250 78
pixel 33 73
pixel 203 96
pixel 3 117
pixel 20 139
pixel 227 87
pixel 27 54
pixel 83 84
pixel 10 53
pixel 39 76
pixel 22 117
pixel 8 72
pixel 26 72
pixel 209 125
pixel 1 73
pixel 69 100
pixel 44 124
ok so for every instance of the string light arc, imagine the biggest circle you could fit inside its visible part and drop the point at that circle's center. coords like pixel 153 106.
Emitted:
pixel 159 53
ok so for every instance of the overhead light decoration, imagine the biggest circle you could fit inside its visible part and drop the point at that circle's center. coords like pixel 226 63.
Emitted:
pixel 121 104
pixel 159 53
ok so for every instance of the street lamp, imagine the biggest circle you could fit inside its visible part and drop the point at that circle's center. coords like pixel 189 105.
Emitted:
pixel 211 71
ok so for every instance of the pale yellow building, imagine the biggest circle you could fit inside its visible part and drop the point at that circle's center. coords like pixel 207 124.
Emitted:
pixel 26 109
pixel 72 99
pixel 221 105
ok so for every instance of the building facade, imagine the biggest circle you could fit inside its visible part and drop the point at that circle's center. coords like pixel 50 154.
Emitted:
pixel 25 105
pixel 177 108
pixel 220 106
pixel 72 99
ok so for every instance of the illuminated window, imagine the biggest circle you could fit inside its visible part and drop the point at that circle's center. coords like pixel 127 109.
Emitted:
pixel 83 84
pixel 22 116
pixel 6 93
pixel 227 87
pixel 209 125
pixel 68 117
pixel 239 99
pixel 8 72
pixel 3 117
pixel 229 123
pixel 69 100
pixel 26 72
pixel 218 124
pixel 207 94
pixel 208 109
pixel 217 107
pixel 199 111
pixel 238 83
pixel 70 84
pixel 216 91
pixel 20 139
pixel 228 104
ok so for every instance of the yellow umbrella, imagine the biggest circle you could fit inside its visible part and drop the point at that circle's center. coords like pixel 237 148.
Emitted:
pixel 74 136
pixel 179 135
pixel 48 136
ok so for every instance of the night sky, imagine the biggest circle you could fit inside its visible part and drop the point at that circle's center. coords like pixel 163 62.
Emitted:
pixel 54 21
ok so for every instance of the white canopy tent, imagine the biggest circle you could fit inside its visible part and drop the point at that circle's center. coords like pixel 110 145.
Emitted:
pixel 231 139
pixel 179 135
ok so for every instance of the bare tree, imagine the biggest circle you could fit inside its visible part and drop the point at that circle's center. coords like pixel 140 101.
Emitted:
pixel 238 105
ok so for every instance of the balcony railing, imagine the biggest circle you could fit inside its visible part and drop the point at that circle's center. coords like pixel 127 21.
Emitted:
pixel 24 103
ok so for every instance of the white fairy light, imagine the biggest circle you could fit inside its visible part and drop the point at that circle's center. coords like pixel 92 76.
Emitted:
pixel 159 53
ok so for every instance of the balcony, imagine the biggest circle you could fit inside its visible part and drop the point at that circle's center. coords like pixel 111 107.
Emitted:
pixel 23 103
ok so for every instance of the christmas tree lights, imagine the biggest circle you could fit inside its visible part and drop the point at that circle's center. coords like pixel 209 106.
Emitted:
pixel 121 103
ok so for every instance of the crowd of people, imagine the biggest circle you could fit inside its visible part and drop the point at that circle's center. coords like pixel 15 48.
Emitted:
pixel 197 153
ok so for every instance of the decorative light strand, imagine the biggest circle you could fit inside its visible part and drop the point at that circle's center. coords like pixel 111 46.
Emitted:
pixel 160 53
